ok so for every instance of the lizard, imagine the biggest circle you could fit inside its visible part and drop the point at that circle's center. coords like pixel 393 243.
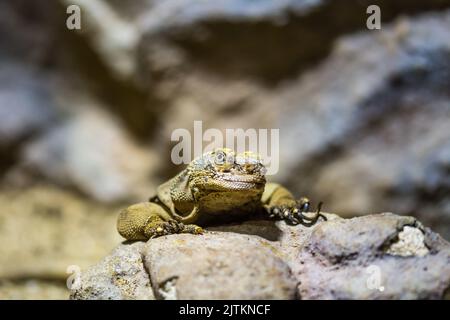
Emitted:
pixel 219 185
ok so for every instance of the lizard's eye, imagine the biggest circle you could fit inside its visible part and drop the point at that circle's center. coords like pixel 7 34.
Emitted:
pixel 220 158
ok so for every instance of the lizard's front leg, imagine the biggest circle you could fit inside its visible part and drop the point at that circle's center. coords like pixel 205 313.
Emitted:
pixel 147 220
pixel 281 204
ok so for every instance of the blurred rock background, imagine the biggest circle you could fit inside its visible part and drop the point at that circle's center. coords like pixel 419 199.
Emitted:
pixel 86 116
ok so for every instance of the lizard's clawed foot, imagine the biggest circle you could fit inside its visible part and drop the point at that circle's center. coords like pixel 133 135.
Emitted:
pixel 296 212
pixel 164 228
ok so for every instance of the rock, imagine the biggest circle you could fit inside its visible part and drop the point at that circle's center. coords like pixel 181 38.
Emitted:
pixel 45 230
pixel 52 103
pixel 121 275
pixel 92 152
pixel 226 266
pixel 113 37
pixel 287 239
pixel 380 256
pixel 411 242
pixel 26 107
pixel 223 37
pixel 373 257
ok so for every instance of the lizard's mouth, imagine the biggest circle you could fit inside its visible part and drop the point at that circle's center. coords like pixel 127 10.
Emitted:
pixel 226 181
pixel 220 185
pixel 242 178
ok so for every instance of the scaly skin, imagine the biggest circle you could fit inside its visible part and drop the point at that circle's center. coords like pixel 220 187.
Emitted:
pixel 217 185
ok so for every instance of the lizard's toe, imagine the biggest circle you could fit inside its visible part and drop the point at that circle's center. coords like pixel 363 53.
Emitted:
pixel 193 229
pixel 290 215
pixel 198 230
pixel 159 230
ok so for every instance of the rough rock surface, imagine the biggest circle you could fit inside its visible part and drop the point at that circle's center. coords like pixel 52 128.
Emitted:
pixel 109 168
pixel 121 275
pixel 381 256
pixel 21 91
pixel 218 266
pixel 359 248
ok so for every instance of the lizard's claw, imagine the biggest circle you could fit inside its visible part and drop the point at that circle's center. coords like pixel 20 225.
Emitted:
pixel 311 217
pixel 171 227
pixel 192 228
pixel 163 229
pixel 285 213
pixel 297 212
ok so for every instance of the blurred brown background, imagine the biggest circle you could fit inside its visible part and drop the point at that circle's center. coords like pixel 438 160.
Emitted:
pixel 86 116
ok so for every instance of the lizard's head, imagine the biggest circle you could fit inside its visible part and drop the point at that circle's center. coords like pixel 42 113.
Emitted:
pixel 224 170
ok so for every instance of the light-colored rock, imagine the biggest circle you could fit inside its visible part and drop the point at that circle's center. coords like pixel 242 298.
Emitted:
pixel 26 108
pixel 411 242
pixel 112 36
pixel 217 265
pixel 93 152
pixel 359 258
pixel 121 275
pixel 287 239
